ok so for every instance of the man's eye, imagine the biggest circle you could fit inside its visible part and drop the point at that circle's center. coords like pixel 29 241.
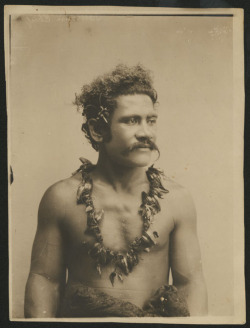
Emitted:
pixel 152 121
pixel 132 120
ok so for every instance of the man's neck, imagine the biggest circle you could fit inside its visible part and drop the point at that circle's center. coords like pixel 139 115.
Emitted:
pixel 121 178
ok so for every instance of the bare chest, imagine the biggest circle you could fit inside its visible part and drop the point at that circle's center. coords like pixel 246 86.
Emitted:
pixel 122 222
pixel 120 225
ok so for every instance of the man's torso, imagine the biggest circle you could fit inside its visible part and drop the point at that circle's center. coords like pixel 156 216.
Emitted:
pixel 120 226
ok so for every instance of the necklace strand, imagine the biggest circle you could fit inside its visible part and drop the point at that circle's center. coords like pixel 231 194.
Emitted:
pixel 123 264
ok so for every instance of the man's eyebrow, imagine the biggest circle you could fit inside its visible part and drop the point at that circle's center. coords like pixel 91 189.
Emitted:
pixel 136 116
pixel 125 117
pixel 153 115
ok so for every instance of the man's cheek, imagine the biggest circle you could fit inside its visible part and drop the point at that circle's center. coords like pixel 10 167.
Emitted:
pixel 117 129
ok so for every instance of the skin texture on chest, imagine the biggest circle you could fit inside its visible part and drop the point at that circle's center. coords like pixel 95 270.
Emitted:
pixel 121 222
pixel 120 225
pixel 151 272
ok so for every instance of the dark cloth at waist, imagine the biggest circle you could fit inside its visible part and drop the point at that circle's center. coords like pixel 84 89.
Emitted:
pixel 81 301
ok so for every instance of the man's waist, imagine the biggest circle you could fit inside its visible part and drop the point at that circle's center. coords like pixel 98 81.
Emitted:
pixel 120 291
pixel 84 301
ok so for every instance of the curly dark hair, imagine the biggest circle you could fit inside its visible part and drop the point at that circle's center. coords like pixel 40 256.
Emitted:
pixel 98 99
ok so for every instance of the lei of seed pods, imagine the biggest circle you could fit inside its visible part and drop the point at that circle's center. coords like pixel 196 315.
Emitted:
pixel 123 264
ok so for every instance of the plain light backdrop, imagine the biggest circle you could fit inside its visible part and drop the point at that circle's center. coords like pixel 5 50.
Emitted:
pixel 191 58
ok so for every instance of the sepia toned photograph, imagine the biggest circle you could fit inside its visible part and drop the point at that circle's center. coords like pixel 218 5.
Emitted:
pixel 125 158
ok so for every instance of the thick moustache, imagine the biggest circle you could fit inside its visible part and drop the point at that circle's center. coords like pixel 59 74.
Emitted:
pixel 148 144
pixel 140 145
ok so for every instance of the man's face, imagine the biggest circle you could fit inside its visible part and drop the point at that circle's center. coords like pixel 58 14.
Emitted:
pixel 133 131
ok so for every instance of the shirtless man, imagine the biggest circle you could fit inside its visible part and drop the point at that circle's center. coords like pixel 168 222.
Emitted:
pixel 121 119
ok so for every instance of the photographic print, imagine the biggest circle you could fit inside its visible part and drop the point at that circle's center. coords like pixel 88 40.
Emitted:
pixel 125 155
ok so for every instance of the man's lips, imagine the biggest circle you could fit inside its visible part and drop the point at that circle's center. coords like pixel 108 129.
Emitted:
pixel 143 147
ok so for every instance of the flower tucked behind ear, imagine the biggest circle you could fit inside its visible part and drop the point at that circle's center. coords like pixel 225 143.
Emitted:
pixel 103 114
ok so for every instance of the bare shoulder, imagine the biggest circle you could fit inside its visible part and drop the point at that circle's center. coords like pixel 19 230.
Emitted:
pixel 59 197
pixel 176 191
pixel 180 200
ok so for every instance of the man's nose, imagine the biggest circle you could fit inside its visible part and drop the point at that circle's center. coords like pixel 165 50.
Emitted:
pixel 144 131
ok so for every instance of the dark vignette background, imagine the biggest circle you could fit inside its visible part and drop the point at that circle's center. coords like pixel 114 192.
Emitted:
pixel 245 4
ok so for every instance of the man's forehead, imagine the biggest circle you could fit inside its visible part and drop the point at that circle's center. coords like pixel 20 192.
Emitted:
pixel 134 102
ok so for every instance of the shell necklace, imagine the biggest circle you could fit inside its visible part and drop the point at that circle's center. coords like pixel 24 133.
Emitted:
pixel 123 263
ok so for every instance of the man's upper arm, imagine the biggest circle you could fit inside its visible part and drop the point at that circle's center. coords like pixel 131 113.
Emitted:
pixel 185 258
pixel 48 252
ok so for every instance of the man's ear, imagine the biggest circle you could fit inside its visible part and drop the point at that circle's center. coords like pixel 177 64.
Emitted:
pixel 94 131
